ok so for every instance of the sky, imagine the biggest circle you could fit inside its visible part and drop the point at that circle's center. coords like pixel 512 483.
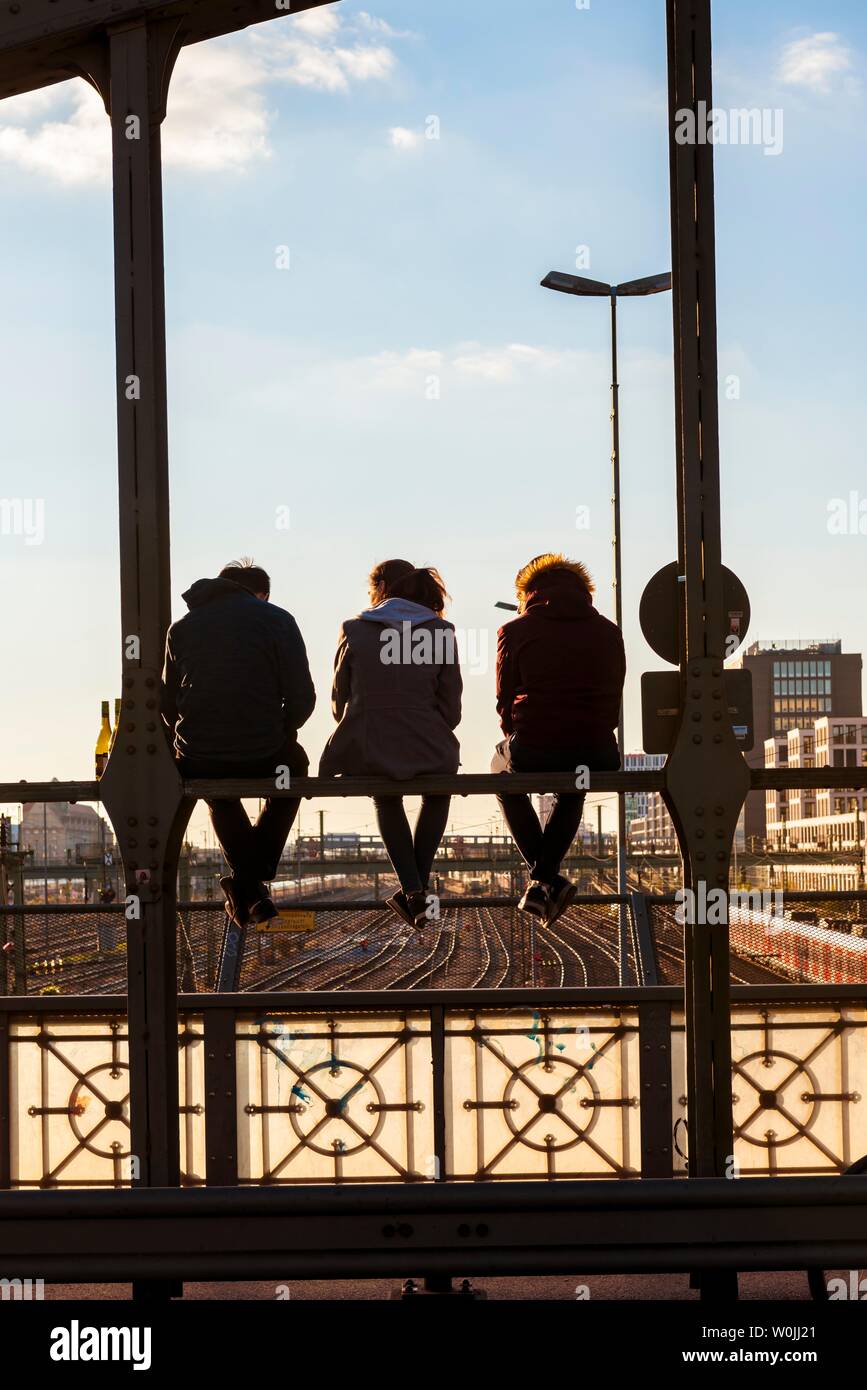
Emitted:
pixel 359 206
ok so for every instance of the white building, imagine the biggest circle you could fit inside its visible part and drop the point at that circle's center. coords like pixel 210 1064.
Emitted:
pixel 818 818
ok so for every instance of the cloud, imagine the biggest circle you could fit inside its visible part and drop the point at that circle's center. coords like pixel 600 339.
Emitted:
pixel 403 139
pixel 815 62
pixel 71 151
pixel 359 382
pixel 506 363
pixel 218 115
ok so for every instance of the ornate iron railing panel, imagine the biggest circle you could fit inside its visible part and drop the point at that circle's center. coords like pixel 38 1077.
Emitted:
pixel 543 1094
pixel 328 1098
pixel 68 1080
pixel 799 1089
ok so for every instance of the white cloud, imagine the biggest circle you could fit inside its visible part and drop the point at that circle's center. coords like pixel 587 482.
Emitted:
pixel 73 151
pixel 403 139
pixel 218 117
pixel 318 23
pixel 815 62
pixel 381 26
pixel 506 363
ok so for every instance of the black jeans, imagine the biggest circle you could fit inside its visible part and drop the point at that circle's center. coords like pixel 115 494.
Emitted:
pixel 543 850
pixel 252 851
pixel 412 854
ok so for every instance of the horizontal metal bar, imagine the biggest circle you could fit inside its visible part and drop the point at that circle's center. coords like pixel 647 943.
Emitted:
pixel 399 1001
pixel 458 784
pixel 294 905
pixel 781 778
pixel 658 1224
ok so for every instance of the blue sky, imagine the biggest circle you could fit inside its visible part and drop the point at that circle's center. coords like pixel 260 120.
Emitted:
pixel 405 387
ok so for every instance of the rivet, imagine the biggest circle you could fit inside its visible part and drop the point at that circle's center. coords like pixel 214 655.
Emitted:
pixel 131 820
pixel 130 748
pixel 717 738
pixel 152 820
pixel 696 738
pixel 696 714
pixel 152 748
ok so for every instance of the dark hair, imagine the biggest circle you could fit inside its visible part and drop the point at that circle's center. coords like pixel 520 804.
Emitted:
pixel 384 576
pixel 248 575
pixel 423 586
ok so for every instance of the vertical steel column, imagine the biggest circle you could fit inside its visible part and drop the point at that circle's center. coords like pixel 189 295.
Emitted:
pixel 141 787
pixel 623 946
pixel 706 777
pixel 221 1120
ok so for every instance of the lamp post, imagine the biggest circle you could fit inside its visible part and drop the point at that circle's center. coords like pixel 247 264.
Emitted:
pixel 580 285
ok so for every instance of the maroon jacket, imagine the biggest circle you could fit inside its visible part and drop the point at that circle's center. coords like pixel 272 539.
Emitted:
pixel 560 669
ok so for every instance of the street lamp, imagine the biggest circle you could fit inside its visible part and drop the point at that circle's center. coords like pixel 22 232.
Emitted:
pixel 580 285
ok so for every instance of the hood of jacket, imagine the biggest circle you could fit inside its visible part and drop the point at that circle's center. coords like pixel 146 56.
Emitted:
pixel 398 610
pixel 559 596
pixel 206 590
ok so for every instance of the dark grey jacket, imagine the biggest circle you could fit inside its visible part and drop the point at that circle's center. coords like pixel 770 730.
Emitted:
pixel 396 694
pixel 236 684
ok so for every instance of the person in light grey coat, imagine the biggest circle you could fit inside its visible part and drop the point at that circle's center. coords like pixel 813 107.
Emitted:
pixel 397 699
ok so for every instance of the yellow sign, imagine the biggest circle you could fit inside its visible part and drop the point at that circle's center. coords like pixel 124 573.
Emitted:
pixel 289 921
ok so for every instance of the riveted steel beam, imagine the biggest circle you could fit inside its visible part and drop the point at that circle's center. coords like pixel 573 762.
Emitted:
pixel 706 777
pixel 141 788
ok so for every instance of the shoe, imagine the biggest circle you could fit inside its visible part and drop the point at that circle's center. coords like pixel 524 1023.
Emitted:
pixel 536 900
pixel 264 908
pixel 398 903
pixel 236 908
pixel 562 895
pixel 417 906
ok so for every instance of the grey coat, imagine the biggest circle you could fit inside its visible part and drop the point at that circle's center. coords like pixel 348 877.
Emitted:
pixel 396 695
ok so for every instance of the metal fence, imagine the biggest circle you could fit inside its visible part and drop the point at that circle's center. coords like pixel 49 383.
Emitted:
pixel 483 1086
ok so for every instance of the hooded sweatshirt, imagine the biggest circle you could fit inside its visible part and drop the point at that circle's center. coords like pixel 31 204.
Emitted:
pixel 396 695
pixel 236 684
pixel 560 669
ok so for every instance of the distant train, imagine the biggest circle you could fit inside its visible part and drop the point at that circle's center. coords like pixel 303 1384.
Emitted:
pixel 821 950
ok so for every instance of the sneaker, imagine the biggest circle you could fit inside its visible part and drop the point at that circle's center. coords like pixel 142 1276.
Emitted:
pixel 236 909
pixel 398 903
pixel 264 908
pixel 536 900
pixel 417 906
pixel 563 894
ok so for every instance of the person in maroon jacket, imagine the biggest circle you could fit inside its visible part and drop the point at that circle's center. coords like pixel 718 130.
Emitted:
pixel 560 673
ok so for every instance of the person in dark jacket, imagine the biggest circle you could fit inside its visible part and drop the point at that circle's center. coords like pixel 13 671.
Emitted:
pixel 560 673
pixel 397 699
pixel 236 690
